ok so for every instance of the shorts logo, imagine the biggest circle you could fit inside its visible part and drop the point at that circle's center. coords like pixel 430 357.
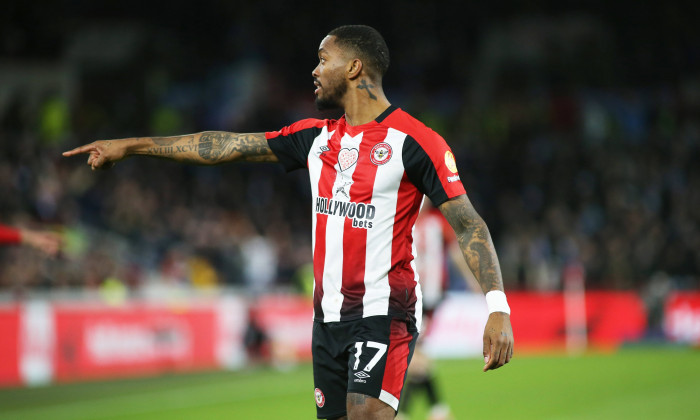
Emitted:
pixel 347 158
pixel 450 162
pixel 320 398
pixel 380 154
pixel 362 374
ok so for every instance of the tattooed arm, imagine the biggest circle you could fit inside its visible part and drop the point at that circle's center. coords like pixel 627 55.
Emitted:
pixel 206 148
pixel 474 241
pixel 480 254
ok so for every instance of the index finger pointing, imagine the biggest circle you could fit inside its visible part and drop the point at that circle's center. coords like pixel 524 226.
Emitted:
pixel 78 150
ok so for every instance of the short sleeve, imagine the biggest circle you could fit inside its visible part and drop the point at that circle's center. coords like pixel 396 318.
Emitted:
pixel 292 144
pixel 431 167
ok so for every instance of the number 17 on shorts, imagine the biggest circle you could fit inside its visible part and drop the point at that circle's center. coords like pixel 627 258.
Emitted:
pixel 361 375
pixel 378 367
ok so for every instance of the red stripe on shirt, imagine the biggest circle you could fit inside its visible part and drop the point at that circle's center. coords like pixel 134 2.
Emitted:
pixel 355 238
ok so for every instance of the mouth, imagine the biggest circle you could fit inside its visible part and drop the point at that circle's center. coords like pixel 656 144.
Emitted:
pixel 318 87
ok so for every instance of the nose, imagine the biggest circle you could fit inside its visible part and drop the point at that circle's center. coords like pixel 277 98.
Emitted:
pixel 314 72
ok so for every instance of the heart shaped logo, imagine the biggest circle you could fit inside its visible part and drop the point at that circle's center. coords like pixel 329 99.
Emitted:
pixel 347 158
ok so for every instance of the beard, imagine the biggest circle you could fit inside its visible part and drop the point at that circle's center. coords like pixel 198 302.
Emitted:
pixel 332 96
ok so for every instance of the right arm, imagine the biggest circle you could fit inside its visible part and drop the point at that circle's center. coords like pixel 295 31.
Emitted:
pixel 43 240
pixel 205 148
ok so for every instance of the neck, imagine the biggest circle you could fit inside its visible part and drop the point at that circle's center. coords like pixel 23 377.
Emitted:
pixel 364 101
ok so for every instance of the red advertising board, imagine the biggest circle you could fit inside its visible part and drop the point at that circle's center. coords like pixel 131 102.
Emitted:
pixel 135 339
pixel 43 341
pixel 46 341
pixel 9 345
pixel 682 317
pixel 611 318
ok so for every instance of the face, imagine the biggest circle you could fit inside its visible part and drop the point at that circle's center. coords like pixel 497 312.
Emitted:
pixel 329 75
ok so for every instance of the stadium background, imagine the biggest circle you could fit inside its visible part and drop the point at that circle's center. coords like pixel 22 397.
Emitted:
pixel 576 131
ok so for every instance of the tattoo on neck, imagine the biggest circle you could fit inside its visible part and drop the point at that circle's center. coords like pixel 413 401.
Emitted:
pixel 364 85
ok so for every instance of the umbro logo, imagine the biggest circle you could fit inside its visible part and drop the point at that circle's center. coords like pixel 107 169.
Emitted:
pixel 362 374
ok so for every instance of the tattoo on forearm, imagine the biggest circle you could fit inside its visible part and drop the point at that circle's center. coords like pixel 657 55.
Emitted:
pixel 217 146
pixel 178 147
pixel 364 85
pixel 212 147
pixel 166 141
pixel 171 150
pixel 475 242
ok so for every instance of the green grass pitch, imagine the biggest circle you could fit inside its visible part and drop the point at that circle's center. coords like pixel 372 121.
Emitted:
pixel 644 383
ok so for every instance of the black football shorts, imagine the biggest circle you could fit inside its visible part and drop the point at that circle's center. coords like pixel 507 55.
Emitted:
pixel 366 356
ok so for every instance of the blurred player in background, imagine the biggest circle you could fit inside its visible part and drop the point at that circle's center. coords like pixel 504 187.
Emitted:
pixel 43 240
pixel 436 251
pixel 368 171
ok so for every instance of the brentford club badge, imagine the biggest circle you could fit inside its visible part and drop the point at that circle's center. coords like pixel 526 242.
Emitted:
pixel 380 154
pixel 320 398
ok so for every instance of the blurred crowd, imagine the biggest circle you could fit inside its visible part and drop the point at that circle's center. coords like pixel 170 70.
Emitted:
pixel 575 146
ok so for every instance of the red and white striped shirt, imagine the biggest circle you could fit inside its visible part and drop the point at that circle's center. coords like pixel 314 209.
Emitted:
pixel 367 184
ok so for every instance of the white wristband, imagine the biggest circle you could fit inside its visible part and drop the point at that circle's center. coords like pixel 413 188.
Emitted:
pixel 496 302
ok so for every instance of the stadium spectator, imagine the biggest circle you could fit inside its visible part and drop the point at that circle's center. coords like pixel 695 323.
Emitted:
pixel 367 309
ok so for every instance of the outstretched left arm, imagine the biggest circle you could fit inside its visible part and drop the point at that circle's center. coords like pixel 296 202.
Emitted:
pixel 480 254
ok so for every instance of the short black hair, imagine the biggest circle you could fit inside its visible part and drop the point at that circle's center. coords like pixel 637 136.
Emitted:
pixel 368 44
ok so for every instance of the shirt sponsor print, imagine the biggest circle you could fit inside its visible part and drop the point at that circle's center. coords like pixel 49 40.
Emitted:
pixel 361 214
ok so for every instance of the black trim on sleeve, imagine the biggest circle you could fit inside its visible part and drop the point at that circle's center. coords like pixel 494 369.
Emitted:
pixel 421 171
pixel 292 150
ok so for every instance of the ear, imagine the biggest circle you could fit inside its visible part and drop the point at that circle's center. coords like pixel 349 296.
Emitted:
pixel 354 69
